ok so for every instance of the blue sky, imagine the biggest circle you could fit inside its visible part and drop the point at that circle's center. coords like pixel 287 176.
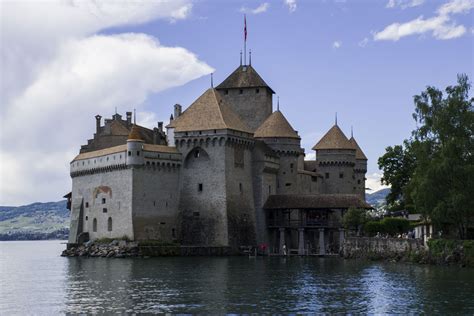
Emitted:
pixel 65 62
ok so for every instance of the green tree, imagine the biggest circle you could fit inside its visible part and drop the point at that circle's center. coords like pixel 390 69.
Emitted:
pixel 433 173
pixel 354 219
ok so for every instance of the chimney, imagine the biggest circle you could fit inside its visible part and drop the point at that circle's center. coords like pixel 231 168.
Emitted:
pixel 97 123
pixel 129 118
pixel 177 110
pixel 160 126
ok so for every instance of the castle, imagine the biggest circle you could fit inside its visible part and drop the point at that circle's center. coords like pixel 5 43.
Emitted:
pixel 228 172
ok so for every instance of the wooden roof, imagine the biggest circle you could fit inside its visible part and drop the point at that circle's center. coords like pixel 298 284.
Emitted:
pixel 244 76
pixel 276 125
pixel 135 134
pixel 209 112
pixel 359 153
pixel 101 152
pixel 315 201
pixel 334 139
pixel 160 148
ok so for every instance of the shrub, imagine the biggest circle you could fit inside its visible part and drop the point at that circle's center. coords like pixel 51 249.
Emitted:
pixel 371 228
pixel 388 225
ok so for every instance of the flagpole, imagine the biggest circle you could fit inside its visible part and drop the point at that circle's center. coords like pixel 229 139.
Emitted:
pixel 245 40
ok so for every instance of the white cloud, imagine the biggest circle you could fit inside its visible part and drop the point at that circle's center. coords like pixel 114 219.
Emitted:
pixel 260 9
pixel 373 182
pixel 61 73
pixel 336 44
pixel 441 26
pixel 291 5
pixel 363 42
pixel 403 4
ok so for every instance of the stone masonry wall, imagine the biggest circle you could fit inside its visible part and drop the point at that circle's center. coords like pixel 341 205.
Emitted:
pixel 381 248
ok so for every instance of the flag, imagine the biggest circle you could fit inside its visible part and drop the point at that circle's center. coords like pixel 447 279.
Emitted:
pixel 245 28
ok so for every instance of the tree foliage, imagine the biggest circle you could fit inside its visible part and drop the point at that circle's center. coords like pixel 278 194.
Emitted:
pixel 354 218
pixel 433 172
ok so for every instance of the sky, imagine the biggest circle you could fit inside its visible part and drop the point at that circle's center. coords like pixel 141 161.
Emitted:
pixel 63 62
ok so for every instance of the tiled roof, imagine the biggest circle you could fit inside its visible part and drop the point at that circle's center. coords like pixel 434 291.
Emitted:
pixel 135 134
pixel 209 112
pixel 160 148
pixel 243 77
pixel 101 152
pixel 334 139
pixel 359 153
pixel 314 201
pixel 276 125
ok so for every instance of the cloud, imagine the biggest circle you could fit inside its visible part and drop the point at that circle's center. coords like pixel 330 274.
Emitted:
pixel 260 9
pixel 336 44
pixel 440 26
pixel 373 182
pixel 61 73
pixel 291 5
pixel 403 4
pixel 363 42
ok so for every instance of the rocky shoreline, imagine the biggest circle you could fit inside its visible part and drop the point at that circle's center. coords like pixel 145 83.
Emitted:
pixel 114 249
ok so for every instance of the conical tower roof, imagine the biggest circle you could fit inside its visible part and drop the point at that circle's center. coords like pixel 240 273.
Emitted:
pixel 135 134
pixel 244 76
pixel 276 125
pixel 334 139
pixel 359 153
pixel 208 112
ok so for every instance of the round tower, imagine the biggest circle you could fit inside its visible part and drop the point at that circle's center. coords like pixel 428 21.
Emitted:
pixel 335 158
pixel 278 134
pixel 135 147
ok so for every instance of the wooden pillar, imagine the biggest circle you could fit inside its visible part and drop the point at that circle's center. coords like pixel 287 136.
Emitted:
pixel 322 246
pixel 282 241
pixel 301 241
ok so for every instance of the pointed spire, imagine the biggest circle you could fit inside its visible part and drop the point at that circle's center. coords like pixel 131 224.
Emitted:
pixel 250 57
pixel 352 132
pixel 212 80
pixel 171 117
pixel 278 103
pixel 335 119
pixel 240 57
pixel 134 117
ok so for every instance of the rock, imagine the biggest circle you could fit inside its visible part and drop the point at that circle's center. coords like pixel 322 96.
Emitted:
pixel 122 243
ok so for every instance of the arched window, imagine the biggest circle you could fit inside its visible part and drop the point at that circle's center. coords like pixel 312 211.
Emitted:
pixel 94 225
pixel 109 224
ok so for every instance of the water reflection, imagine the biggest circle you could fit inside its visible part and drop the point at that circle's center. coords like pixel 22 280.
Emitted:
pixel 46 284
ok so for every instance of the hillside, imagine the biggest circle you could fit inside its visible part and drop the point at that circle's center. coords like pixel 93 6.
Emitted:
pixel 377 199
pixel 34 221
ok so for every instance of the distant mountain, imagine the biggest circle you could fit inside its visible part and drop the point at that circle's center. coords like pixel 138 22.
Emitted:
pixel 377 199
pixel 34 221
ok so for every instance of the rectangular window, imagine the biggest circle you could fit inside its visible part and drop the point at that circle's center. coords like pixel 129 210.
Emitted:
pixel 104 210
pixel 173 233
pixel 200 187
pixel 240 187
pixel 341 175
pixel 103 200
pixel 129 154
pixel 138 153
pixel 257 90
pixel 87 204
pixel 288 184
pixel 358 181
pixel 269 189
pixel 327 175
pixel 226 92
pixel 196 214
pixel 241 91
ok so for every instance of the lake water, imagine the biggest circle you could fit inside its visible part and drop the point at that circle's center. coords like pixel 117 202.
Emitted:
pixel 34 279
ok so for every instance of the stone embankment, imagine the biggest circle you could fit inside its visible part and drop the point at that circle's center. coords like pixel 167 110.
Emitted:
pixel 394 249
pixel 114 249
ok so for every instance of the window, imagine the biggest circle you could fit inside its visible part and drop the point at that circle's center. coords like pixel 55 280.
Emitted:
pixel 226 92
pixel 94 225
pixel 197 153
pixel 358 181
pixel 200 187
pixel 148 163
pixel 109 224
pixel 162 223
pixel 341 175
pixel 327 175
pixel 288 184
pixel 257 90
pixel 173 233
pixel 240 187
pixel 196 214
pixel 87 204
pixel 104 210
pixel 138 153
pixel 103 201
pixel 241 91
pixel 87 218
pixel 129 153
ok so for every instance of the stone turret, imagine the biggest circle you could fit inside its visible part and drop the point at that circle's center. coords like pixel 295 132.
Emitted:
pixel 278 134
pixel 135 147
pixel 248 95
pixel 335 158
pixel 360 168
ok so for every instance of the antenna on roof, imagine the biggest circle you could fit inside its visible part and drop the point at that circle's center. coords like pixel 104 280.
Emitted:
pixel 250 57
pixel 336 119
pixel 134 117
pixel 245 39
pixel 240 57
pixel 115 110
pixel 352 132
pixel 278 103
pixel 212 81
